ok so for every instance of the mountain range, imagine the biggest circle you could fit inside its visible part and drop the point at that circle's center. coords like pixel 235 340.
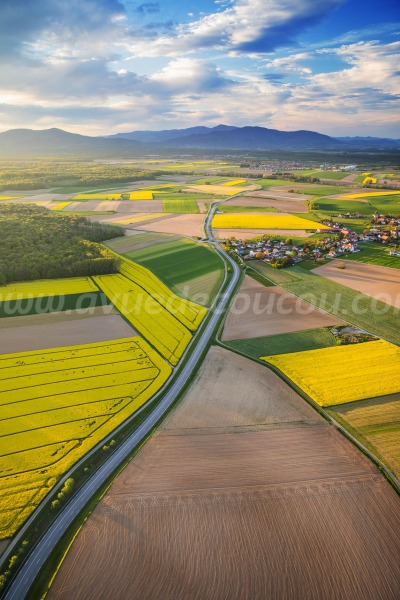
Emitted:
pixel 51 142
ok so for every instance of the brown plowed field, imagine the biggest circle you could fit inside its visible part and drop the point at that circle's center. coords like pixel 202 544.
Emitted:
pixel 258 310
pixel 378 282
pixel 54 330
pixel 292 512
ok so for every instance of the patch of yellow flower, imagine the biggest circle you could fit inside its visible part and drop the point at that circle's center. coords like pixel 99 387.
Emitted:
pixel 263 221
pixel 47 287
pixel 60 205
pixel 342 374
pixel 57 405
pixel 366 194
pixel 369 180
pixel 146 315
pixel 141 195
pixel 235 182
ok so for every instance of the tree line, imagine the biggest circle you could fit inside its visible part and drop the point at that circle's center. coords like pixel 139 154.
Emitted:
pixel 37 243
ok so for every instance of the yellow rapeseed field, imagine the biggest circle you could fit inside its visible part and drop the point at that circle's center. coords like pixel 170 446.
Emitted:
pixel 57 404
pixel 235 182
pixel 146 315
pixel 369 180
pixel 141 195
pixel 188 313
pixel 47 287
pixel 366 194
pixel 262 221
pixel 8 197
pixel 59 206
pixel 340 374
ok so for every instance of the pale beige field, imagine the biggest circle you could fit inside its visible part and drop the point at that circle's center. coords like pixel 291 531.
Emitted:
pixel 284 202
pixel 189 225
pixel 258 310
pixel 52 330
pixel 231 392
pixel 378 282
pixel 289 510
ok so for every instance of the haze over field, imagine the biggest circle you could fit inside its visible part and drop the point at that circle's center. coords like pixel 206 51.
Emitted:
pixel 104 66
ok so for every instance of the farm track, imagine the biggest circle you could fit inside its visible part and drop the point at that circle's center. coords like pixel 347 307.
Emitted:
pixel 212 509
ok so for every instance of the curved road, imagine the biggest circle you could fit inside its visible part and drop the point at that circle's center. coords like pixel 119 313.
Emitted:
pixel 24 579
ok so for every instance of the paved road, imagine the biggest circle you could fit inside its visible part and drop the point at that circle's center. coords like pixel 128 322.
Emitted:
pixel 25 578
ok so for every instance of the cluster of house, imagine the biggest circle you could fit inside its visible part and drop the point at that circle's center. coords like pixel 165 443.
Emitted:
pixel 279 251
pixel 287 252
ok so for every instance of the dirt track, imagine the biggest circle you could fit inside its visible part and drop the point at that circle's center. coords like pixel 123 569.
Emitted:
pixel 258 310
pixel 378 282
pixel 292 511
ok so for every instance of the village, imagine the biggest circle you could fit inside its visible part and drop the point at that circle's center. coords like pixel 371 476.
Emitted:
pixel 343 240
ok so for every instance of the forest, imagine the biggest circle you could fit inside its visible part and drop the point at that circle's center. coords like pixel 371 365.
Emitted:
pixel 33 175
pixel 40 244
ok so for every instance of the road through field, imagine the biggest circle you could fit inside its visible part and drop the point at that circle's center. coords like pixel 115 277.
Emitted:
pixel 24 579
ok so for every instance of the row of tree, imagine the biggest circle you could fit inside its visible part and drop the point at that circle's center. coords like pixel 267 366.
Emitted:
pixel 40 244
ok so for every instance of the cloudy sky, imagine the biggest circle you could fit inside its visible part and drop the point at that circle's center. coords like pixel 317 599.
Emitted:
pixel 105 66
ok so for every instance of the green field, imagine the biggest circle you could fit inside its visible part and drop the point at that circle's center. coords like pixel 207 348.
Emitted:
pixel 331 206
pixel 374 254
pixel 284 343
pixel 183 265
pixel 180 206
pixel 376 423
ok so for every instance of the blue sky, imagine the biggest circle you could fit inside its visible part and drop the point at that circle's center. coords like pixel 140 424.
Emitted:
pixel 104 66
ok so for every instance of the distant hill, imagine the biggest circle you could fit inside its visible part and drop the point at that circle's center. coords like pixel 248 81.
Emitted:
pixel 50 142
pixel 256 138
pixel 169 134
pixel 56 142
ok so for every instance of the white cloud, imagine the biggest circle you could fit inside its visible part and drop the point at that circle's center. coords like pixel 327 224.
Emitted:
pixel 247 25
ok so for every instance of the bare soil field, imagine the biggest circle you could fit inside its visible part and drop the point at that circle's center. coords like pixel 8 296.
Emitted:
pixel 378 282
pixel 258 310
pixel 285 202
pixel 189 225
pixel 53 330
pixel 290 512
pixel 248 234
pixel 231 391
